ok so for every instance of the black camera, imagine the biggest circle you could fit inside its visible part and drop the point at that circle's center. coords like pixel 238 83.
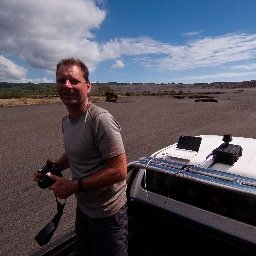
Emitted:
pixel 45 181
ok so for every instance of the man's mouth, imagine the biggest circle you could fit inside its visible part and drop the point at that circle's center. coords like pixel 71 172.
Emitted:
pixel 69 95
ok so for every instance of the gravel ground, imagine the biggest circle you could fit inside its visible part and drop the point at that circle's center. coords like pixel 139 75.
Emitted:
pixel 31 134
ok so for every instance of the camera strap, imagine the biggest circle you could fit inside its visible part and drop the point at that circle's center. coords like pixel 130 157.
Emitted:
pixel 45 235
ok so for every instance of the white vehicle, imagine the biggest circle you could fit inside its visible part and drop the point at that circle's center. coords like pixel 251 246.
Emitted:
pixel 207 183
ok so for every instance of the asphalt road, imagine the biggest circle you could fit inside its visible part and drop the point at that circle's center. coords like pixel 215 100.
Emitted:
pixel 32 134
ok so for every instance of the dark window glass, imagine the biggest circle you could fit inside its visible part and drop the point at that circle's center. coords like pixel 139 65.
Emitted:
pixel 189 143
pixel 228 203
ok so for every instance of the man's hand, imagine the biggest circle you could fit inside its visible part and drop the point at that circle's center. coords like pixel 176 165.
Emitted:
pixel 37 175
pixel 63 187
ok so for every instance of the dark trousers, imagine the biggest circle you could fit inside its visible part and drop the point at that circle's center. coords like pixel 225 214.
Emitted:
pixel 102 236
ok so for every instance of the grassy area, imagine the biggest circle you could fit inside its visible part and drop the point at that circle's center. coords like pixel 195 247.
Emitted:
pixel 27 101
pixel 33 101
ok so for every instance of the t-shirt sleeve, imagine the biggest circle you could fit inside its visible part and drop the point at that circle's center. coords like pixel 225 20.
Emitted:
pixel 108 136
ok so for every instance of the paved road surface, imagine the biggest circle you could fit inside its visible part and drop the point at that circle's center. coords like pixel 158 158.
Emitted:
pixel 31 134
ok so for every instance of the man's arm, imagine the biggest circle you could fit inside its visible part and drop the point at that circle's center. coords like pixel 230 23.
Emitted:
pixel 63 162
pixel 115 171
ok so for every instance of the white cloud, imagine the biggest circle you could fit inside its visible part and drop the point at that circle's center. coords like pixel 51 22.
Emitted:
pixel 118 64
pixel 207 52
pixel 10 71
pixel 192 33
pixel 44 31
pixel 217 77
pixel 244 67
pixel 36 80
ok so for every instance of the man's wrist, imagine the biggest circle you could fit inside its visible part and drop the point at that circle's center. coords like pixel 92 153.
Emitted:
pixel 81 187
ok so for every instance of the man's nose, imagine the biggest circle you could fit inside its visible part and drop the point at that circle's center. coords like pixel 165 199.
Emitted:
pixel 68 83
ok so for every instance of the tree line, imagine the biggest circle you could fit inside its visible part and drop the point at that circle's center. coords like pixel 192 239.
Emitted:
pixel 46 90
pixel 28 90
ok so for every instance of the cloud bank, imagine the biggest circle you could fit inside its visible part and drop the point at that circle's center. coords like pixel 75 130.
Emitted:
pixel 42 32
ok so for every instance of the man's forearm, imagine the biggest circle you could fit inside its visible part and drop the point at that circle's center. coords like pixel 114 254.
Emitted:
pixel 63 162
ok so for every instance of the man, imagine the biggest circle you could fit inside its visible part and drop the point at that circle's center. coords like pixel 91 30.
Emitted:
pixel 95 154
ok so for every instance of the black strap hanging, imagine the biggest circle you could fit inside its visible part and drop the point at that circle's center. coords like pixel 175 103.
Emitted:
pixel 45 235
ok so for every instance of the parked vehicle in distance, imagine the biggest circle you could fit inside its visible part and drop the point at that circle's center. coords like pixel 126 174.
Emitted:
pixel 198 194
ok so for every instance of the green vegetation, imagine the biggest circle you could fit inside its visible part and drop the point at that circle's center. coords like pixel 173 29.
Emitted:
pixel 109 91
pixel 29 90
pixel 38 91
pixel 111 96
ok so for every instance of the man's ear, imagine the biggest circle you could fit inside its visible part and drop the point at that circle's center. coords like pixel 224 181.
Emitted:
pixel 89 86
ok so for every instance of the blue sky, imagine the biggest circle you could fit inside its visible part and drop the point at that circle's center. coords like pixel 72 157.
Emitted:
pixel 161 41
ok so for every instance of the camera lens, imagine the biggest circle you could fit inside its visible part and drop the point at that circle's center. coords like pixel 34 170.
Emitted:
pixel 45 182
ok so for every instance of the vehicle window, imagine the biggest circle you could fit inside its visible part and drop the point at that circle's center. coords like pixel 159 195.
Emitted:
pixel 228 203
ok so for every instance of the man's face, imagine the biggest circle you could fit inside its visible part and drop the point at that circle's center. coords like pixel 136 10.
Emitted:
pixel 71 85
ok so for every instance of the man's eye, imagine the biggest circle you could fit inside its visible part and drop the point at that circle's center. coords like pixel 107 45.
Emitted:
pixel 61 81
pixel 71 81
pixel 74 82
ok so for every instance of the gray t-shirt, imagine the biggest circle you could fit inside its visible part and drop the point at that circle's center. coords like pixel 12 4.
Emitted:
pixel 91 139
